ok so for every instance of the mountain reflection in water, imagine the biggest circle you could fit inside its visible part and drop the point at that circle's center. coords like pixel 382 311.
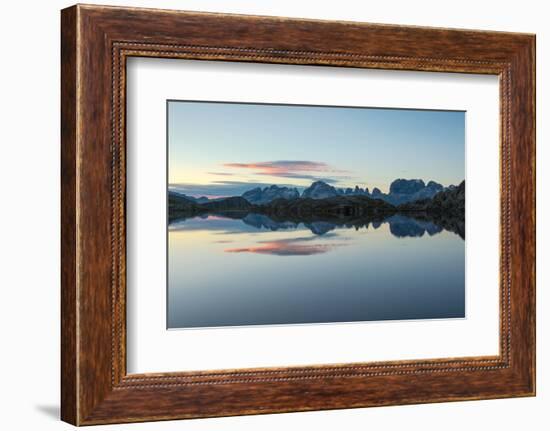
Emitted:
pixel 400 225
pixel 238 269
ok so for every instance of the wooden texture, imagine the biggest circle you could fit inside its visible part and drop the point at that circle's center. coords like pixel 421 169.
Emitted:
pixel 96 41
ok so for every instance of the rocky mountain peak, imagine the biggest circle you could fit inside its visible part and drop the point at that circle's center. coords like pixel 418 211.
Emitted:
pixel 259 196
pixel 406 187
pixel 320 190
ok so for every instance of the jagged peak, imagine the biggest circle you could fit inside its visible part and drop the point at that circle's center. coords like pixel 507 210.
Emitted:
pixel 319 183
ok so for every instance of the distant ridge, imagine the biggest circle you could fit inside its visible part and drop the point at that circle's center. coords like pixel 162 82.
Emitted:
pixel 401 191
pixel 259 196
pixel 320 197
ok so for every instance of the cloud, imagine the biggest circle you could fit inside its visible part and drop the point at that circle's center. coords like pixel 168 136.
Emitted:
pixel 286 247
pixel 307 177
pixel 229 185
pixel 235 183
pixel 220 188
pixel 299 169
pixel 281 166
pixel 222 173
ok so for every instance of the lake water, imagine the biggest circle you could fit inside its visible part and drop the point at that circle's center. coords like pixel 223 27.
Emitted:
pixel 255 271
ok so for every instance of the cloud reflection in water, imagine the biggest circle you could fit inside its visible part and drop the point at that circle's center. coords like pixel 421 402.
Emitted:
pixel 287 247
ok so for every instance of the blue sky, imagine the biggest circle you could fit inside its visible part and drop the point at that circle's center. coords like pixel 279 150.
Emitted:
pixel 221 149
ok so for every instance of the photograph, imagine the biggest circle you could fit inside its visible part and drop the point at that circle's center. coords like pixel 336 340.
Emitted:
pixel 281 214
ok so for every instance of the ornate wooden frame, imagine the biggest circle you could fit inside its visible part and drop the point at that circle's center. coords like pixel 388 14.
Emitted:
pixel 95 42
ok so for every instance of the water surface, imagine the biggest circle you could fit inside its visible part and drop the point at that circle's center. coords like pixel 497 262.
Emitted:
pixel 252 270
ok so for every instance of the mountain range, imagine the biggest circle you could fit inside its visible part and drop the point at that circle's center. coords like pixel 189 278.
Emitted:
pixel 323 202
pixel 401 191
pixel 321 207
pixel 259 196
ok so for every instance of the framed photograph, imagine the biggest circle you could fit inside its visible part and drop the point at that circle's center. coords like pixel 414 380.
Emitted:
pixel 264 214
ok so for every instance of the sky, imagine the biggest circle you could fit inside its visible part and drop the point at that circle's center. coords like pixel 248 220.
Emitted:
pixel 225 149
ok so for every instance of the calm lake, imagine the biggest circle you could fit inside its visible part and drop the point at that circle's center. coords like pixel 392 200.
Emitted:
pixel 255 271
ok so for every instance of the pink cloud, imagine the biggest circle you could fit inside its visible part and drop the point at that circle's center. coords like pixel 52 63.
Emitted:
pixel 283 167
pixel 289 247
